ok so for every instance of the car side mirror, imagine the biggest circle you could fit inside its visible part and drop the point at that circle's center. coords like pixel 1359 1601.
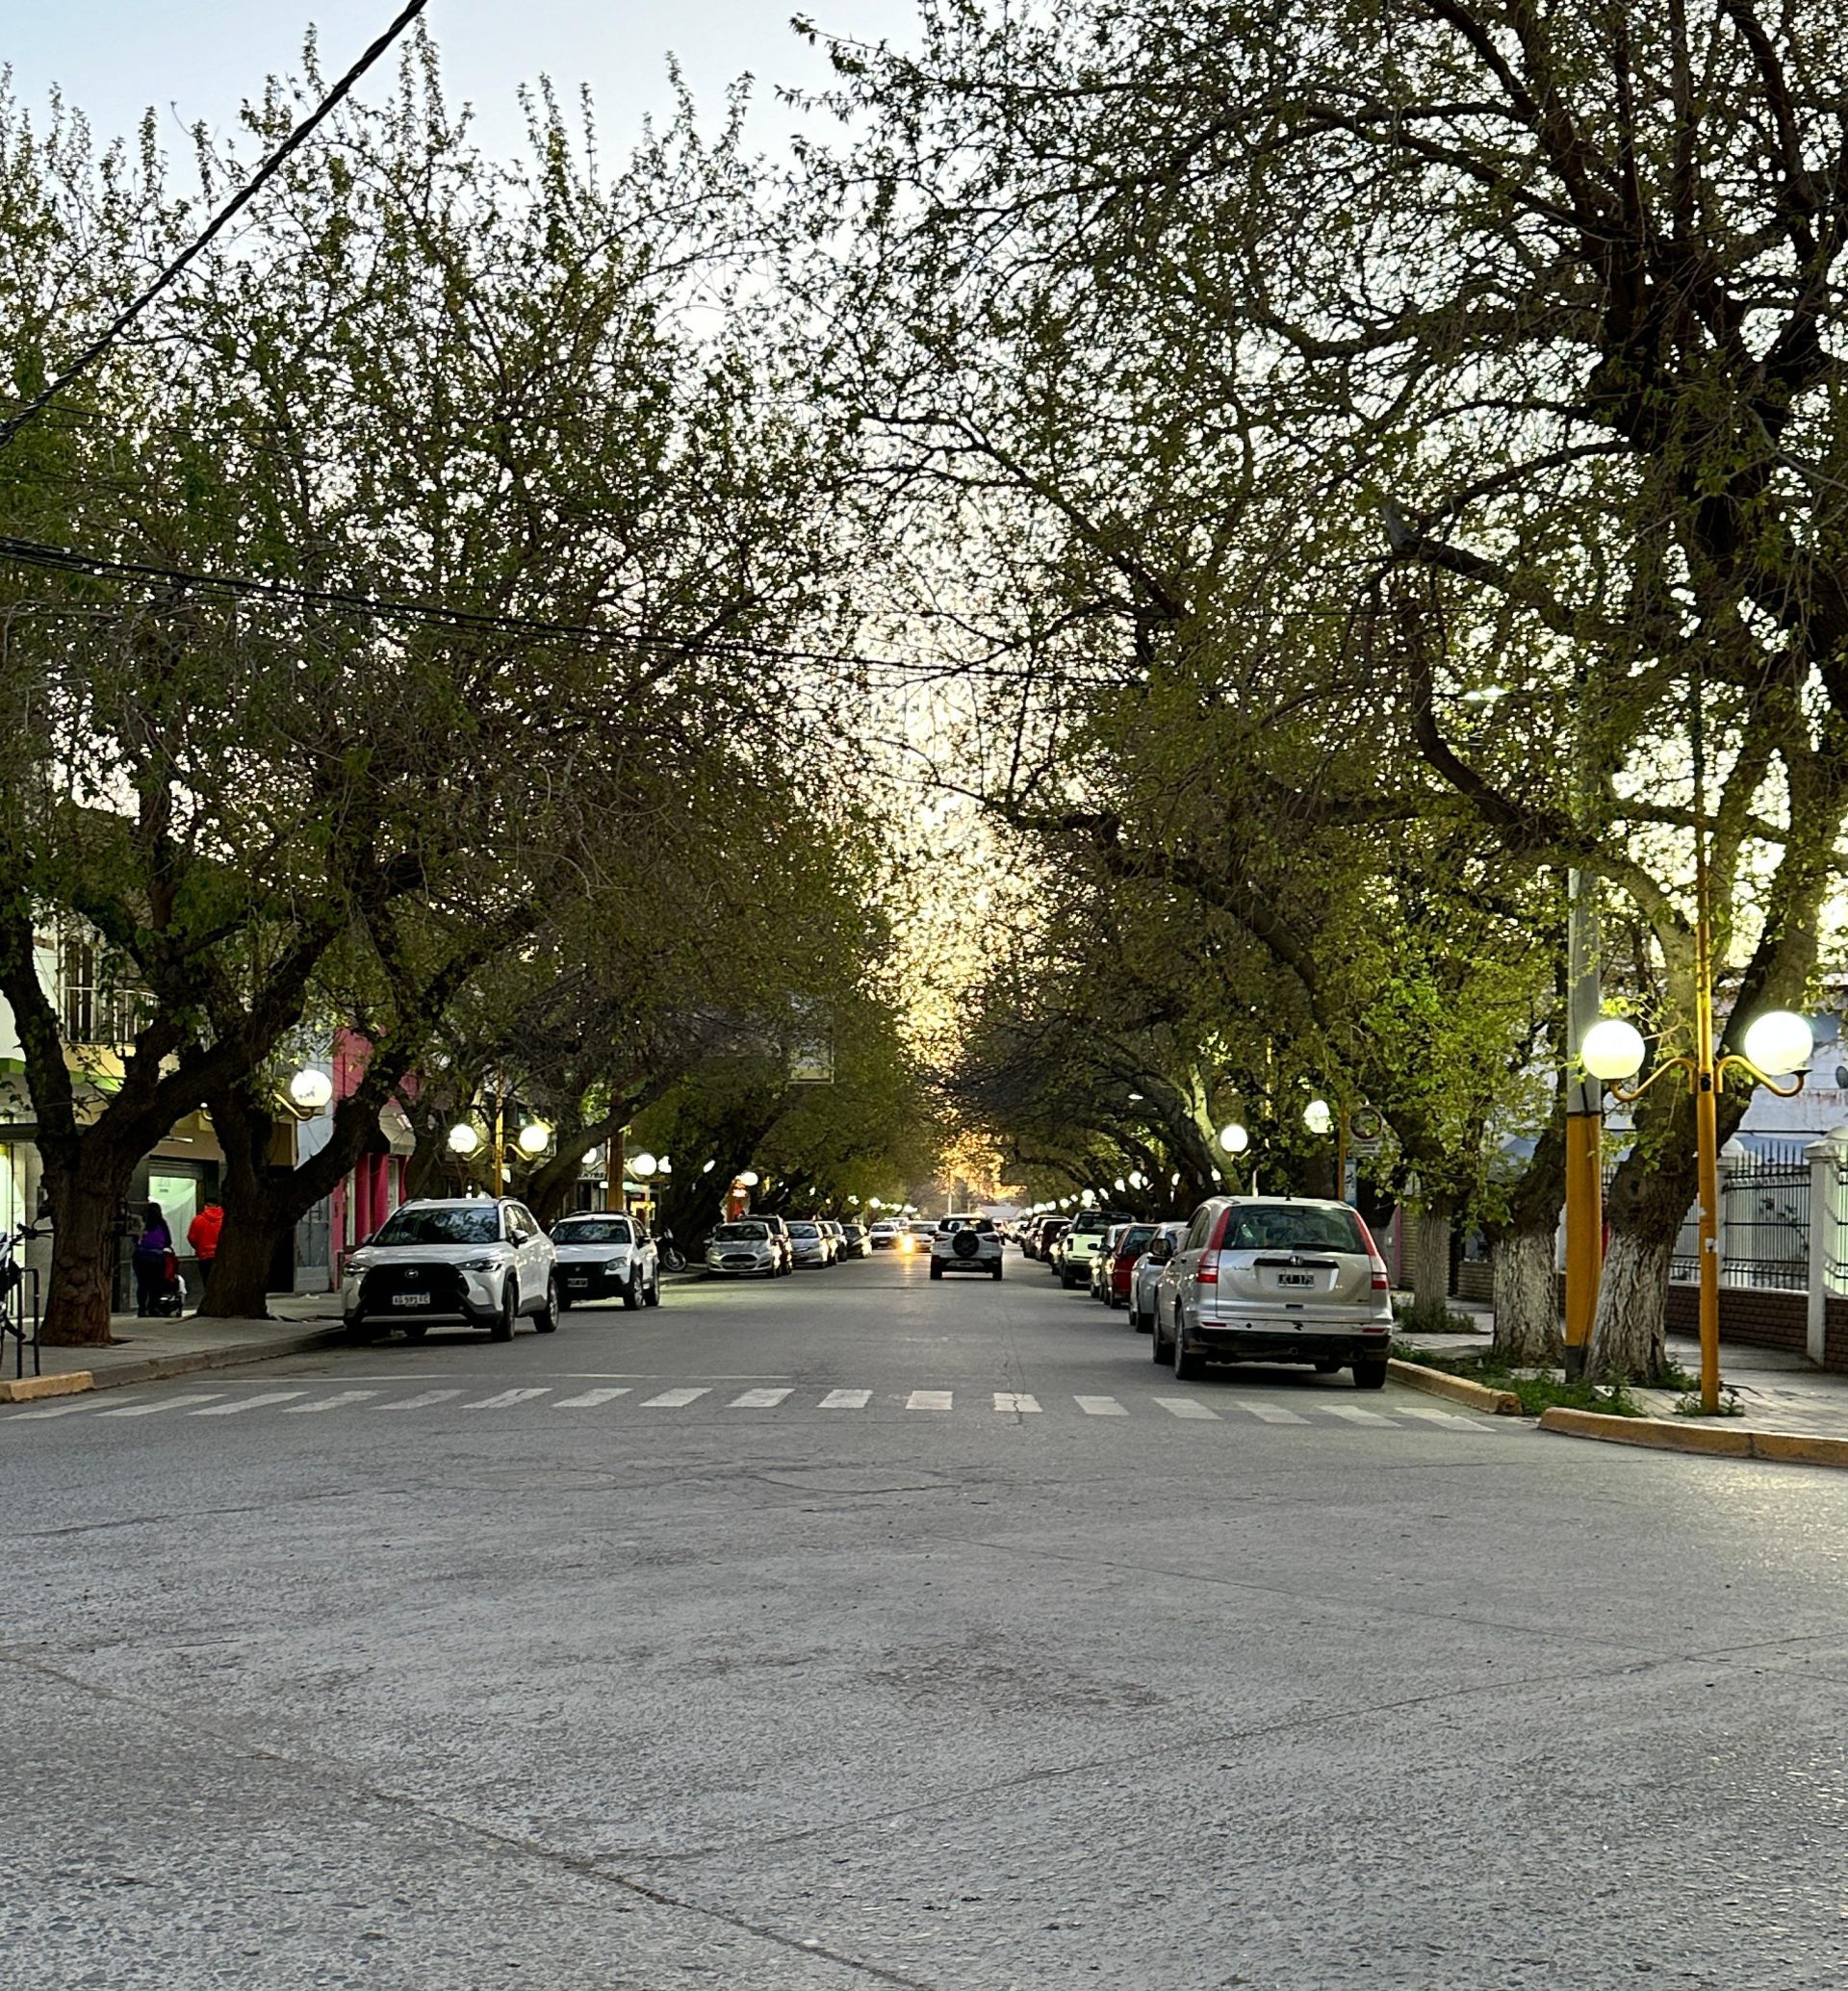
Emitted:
pixel 1161 1253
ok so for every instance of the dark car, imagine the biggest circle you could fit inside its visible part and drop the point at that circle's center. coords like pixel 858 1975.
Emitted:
pixel 1126 1247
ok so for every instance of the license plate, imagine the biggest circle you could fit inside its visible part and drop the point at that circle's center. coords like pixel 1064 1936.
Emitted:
pixel 576 1282
pixel 410 1299
pixel 1296 1278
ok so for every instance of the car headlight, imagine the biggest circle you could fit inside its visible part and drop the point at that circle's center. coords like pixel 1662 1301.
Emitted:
pixel 360 1262
pixel 616 1265
pixel 479 1264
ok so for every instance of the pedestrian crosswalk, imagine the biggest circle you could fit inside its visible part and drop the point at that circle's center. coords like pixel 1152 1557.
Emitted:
pixel 1305 1409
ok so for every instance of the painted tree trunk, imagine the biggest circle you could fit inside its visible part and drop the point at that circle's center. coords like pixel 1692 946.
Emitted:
pixel 1430 1260
pixel 1627 1337
pixel 84 1243
pixel 1527 1320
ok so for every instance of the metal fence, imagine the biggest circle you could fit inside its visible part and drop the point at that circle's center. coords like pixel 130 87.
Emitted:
pixel 1764 1223
pixel 1833 1216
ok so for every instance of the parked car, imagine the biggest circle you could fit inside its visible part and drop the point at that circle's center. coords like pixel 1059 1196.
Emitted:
pixel 482 1259
pixel 1047 1241
pixel 1097 1276
pixel 884 1236
pixel 747 1245
pixel 1272 1280
pixel 602 1253
pixel 1079 1245
pixel 965 1244
pixel 836 1237
pixel 1145 1274
pixel 1114 1269
pixel 811 1244
pixel 854 1242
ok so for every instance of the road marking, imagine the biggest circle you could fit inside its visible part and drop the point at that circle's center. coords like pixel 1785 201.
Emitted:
pixel 329 1403
pixel 591 1398
pixel 1354 1414
pixel 846 1400
pixel 249 1403
pixel 674 1399
pixel 1273 1413
pixel 1014 1400
pixel 1100 1406
pixel 163 1403
pixel 1185 1407
pixel 56 1410
pixel 929 1400
pixel 759 1399
pixel 421 1400
pixel 1437 1416
pixel 505 1399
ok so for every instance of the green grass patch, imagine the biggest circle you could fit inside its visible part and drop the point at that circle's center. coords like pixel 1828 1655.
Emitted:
pixel 1537 1392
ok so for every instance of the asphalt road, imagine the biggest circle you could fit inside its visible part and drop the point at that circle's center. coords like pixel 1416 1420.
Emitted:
pixel 856 1630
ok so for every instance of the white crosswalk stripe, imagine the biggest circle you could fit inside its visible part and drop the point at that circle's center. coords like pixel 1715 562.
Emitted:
pixel 249 1403
pixel 591 1398
pixel 52 1410
pixel 1185 1407
pixel 506 1399
pixel 674 1399
pixel 929 1400
pixel 1273 1413
pixel 761 1399
pixel 338 1401
pixel 1013 1400
pixel 1354 1414
pixel 1432 1415
pixel 1100 1406
pixel 420 1401
pixel 846 1400
pixel 163 1403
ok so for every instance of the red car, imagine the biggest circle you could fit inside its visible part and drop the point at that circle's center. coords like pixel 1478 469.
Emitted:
pixel 1132 1242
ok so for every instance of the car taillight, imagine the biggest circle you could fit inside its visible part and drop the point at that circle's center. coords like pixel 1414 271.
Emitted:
pixel 1381 1281
pixel 1209 1271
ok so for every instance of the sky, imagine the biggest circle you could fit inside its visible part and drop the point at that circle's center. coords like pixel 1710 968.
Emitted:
pixel 200 59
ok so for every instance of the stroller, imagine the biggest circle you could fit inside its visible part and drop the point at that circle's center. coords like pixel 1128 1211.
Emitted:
pixel 167 1289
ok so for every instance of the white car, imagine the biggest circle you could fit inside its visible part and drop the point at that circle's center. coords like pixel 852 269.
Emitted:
pixel 482 1259
pixel 884 1235
pixel 965 1244
pixel 602 1252
pixel 811 1244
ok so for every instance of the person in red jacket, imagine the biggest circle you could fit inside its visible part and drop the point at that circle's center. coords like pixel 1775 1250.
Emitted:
pixel 202 1233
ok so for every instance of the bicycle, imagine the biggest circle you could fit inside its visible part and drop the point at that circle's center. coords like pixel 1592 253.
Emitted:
pixel 20 1308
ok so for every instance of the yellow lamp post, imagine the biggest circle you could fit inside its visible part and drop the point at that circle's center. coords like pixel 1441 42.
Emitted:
pixel 1777 1045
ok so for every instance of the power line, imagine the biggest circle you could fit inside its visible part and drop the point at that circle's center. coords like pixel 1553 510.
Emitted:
pixel 28 552
pixel 241 199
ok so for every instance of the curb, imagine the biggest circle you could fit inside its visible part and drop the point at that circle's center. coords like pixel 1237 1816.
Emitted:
pixel 1478 1396
pixel 24 1389
pixel 158 1368
pixel 1708 1441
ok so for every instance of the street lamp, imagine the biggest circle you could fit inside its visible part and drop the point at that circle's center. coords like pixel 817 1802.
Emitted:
pixel 534 1140
pixel 310 1090
pixel 1777 1045
pixel 1234 1140
pixel 1318 1118
pixel 465 1139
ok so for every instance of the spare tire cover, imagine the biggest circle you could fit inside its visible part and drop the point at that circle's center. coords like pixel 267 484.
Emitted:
pixel 967 1244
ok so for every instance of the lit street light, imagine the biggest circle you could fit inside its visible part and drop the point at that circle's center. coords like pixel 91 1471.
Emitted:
pixel 1234 1140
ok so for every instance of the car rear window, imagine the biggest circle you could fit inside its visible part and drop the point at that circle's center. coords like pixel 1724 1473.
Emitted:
pixel 1292 1227
pixel 1135 1240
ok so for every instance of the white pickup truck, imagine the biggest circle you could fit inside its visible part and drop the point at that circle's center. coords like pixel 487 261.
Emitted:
pixel 965 1244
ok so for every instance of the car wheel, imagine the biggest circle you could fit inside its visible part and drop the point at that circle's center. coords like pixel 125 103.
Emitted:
pixel 1157 1348
pixel 1066 1281
pixel 1135 1319
pixel 632 1292
pixel 1326 1365
pixel 353 1326
pixel 1370 1372
pixel 936 1272
pixel 546 1320
pixel 415 1330
pixel 655 1290
pixel 502 1328
pixel 997 1268
pixel 1188 1365
pixel 564 1303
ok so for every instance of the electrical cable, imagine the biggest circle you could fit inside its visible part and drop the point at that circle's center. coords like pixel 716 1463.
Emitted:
pixel 131 311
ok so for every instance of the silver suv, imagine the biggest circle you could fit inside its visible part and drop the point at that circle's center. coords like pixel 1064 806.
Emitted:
pixel 1270 1279
pixel 965 1244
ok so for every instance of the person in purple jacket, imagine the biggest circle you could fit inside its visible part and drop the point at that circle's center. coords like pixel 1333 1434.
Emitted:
pixel 151 1248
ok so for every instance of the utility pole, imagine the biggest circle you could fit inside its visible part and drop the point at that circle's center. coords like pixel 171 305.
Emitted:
pixel 1584 1125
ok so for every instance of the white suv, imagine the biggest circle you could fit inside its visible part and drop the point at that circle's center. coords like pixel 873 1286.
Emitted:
pixel 482 1259
pixel 965 1244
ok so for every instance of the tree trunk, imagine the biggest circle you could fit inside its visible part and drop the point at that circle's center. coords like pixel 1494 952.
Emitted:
pixel 84 1209
pixel 1430 1260
pixel 1527 1319
pixel 240 1286
pixel 1627 1337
